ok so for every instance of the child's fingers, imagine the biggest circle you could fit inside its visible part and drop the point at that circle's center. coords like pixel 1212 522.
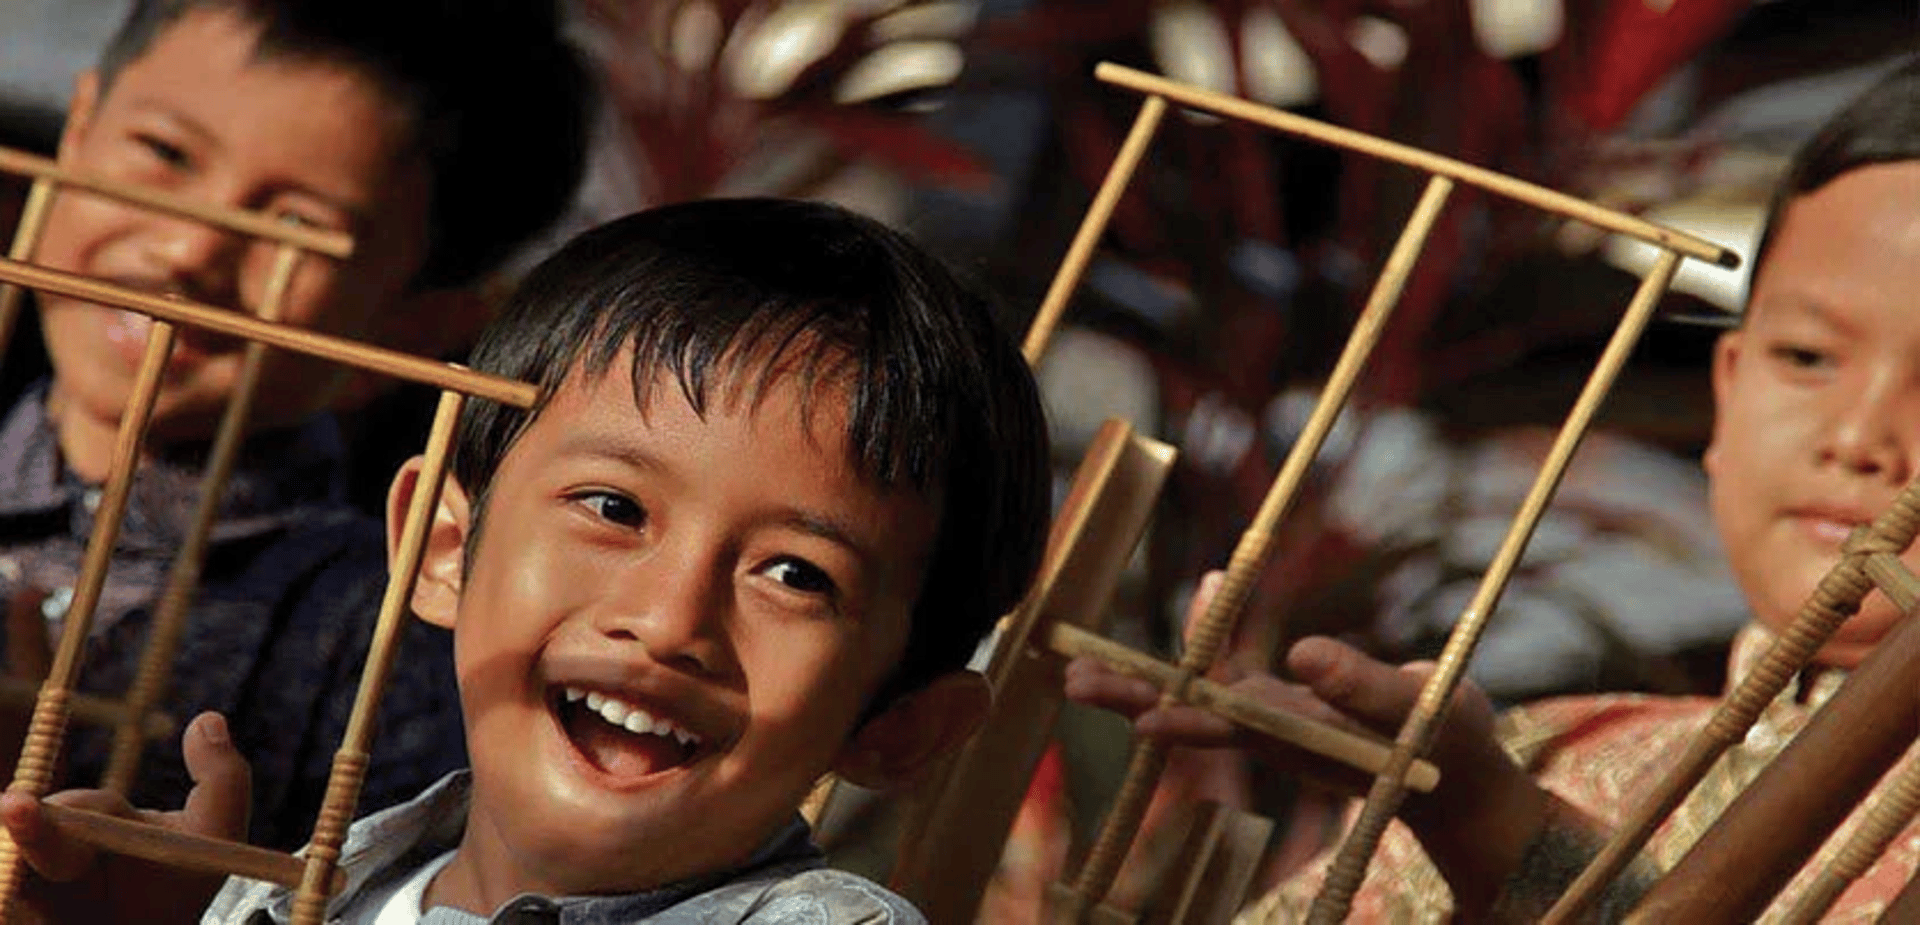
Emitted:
pixel 1188 726
pixel 1365 688
pixel 218 805
pixel 52 855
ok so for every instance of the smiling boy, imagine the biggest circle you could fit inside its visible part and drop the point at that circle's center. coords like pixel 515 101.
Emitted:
pixel 392 122
pixel 784 475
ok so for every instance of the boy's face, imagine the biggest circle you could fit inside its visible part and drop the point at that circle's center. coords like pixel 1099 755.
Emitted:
pixel 1818 395
pixel 197 115
pixel 732 579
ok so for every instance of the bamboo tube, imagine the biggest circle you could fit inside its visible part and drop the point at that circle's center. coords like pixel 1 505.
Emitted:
pixel 1328 741
pixel 154 671
pixel 26 237
pixel 1780 819
pixel 1250 555
pixel 350 762
pixel 221 321
pixel 1886 818
pixel 33 773
pixel 1531 194
pixel 251 224
pixel 1416 736
pixel 1080 252
pixel 177 849
pixel 1834 599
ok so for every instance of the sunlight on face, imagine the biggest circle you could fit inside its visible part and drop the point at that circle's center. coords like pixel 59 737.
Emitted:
pixel 731 580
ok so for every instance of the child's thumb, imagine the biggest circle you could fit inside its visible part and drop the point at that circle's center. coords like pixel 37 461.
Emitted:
pixel 220 801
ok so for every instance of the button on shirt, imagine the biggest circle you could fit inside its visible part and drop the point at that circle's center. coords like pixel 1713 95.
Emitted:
pixel 290 590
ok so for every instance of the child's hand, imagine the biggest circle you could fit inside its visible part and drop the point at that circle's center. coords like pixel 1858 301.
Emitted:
pixel 75 883
pixel 1475 825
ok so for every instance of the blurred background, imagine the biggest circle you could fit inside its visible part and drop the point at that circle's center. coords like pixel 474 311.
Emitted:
pixel 1236 263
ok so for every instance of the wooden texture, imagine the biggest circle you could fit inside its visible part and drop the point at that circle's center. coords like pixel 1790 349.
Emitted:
pixel 252 224
pixel 154 671
pixel 1074 266
pixel 350 762
pixel 1834 599
pixel 1764 837
pixel 1328 741
pixel 1416 735
pixel 178 849
pixel 955 832
pixel 1531 194
pixel 87 708
pixel 221 321
pixel 1250 556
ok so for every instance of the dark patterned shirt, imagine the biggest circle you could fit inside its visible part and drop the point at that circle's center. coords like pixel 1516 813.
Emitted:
pixel 278 632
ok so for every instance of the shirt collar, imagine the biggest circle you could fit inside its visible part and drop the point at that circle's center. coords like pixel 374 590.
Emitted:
pixel 277 474
pixel 394 840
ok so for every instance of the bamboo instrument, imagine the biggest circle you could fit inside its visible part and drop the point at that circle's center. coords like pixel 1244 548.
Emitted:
pixel 1250 556
pixel 153 673
pixel 1773 827
pixel 1834 599
pixel 33 773
pixel 350 762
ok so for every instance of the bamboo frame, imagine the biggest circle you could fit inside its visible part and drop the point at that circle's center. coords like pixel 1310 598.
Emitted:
pixel 1184 683
pixel 317 873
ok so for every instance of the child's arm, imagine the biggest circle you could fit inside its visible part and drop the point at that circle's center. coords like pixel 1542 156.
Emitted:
pixel 76 884
pixel 1478 825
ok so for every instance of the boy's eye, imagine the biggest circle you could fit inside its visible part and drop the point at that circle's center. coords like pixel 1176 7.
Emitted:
pixel 800 575
pixel 615 508
pixel 162 150
pixel 1800 357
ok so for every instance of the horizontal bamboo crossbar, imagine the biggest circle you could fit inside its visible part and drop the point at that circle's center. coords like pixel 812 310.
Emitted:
pixel 178 849
pixel 1510 187
pixel 1349 748
pixel 331 243
pixel 222 321
pixel 88 708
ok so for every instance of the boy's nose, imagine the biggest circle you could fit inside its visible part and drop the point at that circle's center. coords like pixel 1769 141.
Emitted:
pixel 1870 436
pixel 201 261
pixel 678 618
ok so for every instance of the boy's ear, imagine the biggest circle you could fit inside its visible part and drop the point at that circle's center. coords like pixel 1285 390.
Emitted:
pixel 890 749
pixel 436 593
pixel 435 323
pixel 86 95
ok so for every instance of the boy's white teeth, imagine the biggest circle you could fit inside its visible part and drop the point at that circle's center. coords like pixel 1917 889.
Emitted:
pixel 629 717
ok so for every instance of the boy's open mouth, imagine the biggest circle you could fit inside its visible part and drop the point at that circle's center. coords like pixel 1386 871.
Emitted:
pixel 619 738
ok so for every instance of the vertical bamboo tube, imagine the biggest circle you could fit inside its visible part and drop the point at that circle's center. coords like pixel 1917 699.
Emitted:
pixel 26 237
pixel 1389 788
pixel 1834 599
pixel 154 672
pixel 350 762
pixel 1885 819
pixel 1080 252
pixel 1250 556
pixel 47 731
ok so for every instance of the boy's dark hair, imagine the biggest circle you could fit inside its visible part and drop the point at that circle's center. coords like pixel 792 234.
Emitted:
pixel 500 103
pixel 727 293
pixel 1881 126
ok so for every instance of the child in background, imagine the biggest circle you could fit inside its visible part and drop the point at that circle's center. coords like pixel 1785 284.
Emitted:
pixel 784 474
pixel 394 122
pixel 1817 429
